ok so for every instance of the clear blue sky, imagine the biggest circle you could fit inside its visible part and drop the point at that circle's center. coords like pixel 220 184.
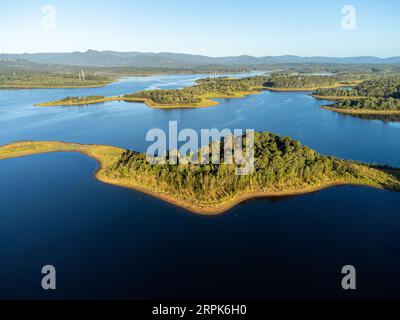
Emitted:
pixel 209 27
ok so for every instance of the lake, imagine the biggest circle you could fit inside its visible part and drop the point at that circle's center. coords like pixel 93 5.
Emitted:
pixel 109 242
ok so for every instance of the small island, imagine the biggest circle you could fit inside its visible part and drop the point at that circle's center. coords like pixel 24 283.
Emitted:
pixel 201 94
pixel 282 167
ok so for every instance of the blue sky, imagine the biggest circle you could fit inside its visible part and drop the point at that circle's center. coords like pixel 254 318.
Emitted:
pixel 209 27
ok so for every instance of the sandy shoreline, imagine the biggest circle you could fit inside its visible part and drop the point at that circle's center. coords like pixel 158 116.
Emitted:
pixel 107 155
pixel 206 101
pixel 225 206
pixel 361 111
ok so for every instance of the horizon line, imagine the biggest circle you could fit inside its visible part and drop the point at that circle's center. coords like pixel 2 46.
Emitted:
pixel 203 55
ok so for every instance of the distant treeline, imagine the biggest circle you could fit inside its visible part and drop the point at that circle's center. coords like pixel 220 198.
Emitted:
pixel 21 72
pixel 45 79
pixel 383 104
pixel 299 81
pixel 382 87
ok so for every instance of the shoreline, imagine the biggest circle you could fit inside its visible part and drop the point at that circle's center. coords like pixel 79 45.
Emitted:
pixel 336 98
pixel 218 209
pixel 22 87
pixel 107 155
pixel 206 101
pixel 361 111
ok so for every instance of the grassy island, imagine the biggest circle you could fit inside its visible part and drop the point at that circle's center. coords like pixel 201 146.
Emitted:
pixel 282 167
pixel 201 94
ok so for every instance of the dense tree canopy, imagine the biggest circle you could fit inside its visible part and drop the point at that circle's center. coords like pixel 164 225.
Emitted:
pixel 166 96
pixel 211 86
pixel 81 99
pixel 389 104
pixel 381 94
pixel 301 81
pixel 280 163
pixel 382 87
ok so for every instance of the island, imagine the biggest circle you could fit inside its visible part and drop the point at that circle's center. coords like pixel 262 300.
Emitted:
pixel 283 167
pixel 379 96
pixel 201 94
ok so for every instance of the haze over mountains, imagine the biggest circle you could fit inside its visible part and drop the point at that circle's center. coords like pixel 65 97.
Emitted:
pixel 92 58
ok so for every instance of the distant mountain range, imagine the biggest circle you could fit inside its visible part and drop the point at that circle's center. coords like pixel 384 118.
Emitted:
pixel 92 58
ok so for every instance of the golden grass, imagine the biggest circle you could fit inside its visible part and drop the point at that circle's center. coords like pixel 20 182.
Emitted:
pixel 104 154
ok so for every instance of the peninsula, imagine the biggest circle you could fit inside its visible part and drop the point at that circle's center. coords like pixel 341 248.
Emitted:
pixel 367 106
pixel 379 96
pixel 283 167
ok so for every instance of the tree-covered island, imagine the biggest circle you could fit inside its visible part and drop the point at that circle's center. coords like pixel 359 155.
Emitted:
pixel 375 97
pixel 282 167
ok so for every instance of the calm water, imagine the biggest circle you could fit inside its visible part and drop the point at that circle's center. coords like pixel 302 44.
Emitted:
pixel 108 242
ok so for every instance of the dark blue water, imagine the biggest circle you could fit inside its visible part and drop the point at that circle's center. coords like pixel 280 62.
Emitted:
pixel 109 242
